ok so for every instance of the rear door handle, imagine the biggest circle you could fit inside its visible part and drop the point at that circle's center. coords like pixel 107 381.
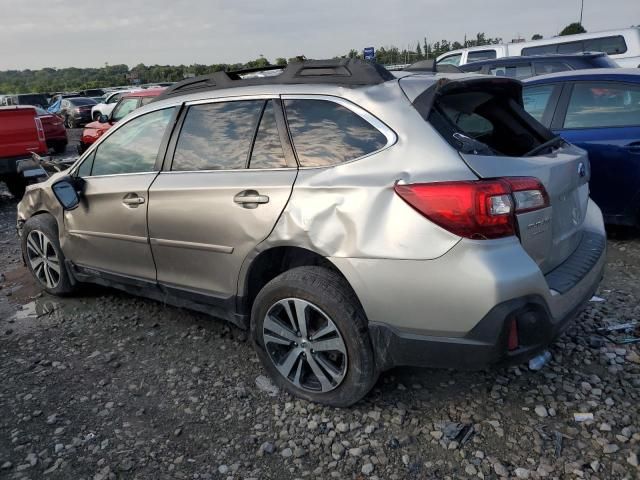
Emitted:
pixel 132 200
pixel 250 199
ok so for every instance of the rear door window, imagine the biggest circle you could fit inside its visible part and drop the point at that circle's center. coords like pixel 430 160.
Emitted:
pixel 217 136
pixel 267 149
pixel 536 99
pixel 479 55
pixel 603 104
pixel 325 133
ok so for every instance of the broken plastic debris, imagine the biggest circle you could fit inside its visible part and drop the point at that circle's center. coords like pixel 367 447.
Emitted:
pixel 582 417
pixel 596 299
pixel 539 361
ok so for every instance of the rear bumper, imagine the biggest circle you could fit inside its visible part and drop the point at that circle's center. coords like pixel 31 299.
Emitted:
pixel 455 311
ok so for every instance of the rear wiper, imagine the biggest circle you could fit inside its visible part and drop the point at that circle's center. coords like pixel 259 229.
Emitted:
pixel 471 145
pixel 549 143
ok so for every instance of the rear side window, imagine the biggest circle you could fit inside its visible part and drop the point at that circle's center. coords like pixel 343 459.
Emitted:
pixel 603 104
pixel 542 68
pixel 481 55
pixel 325 133
pixel 536 99
pixel 613 45
pixel 267 150
pixel 512 71
pixel 217 136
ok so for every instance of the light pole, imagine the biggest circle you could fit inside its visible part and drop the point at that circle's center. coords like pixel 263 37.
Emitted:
pixel 581 10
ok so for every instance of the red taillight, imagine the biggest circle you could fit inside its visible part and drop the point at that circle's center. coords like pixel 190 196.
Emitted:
pixel 481 209
pixel 512 339
pixel 40 129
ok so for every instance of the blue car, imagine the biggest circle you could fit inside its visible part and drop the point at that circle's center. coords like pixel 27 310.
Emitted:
pixel 598 110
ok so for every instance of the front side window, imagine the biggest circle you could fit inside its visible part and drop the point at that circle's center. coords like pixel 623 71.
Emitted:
pixel 603 104
pixel 132 148
pixel 217 136
pixel 451 60
pixel 512 71
pixel 536 99
pixel 326 133
pixel 479 55
pixel 124 108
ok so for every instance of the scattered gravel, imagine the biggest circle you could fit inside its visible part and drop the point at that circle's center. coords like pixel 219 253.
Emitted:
pixel 105 385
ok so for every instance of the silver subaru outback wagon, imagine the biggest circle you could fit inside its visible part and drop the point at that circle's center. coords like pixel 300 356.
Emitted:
pixel 351 220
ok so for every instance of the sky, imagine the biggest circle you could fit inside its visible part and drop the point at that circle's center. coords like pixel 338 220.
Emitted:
pixel 89 33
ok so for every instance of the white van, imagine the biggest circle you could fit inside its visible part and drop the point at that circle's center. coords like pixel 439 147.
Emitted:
pixel 621 45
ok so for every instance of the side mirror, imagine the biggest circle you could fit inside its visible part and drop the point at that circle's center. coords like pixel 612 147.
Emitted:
pixel 103 119
pixel 66 193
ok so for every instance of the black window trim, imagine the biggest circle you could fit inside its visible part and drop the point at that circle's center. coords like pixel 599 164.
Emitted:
pixel 367 116
pixel 287 147
pixel 563 105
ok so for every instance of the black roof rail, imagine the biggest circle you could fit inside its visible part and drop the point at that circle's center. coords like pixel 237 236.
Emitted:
pixel 431 66
pixel 345 72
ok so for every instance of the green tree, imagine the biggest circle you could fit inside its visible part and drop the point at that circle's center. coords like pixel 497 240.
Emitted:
pixel 537 36
pixel 572 29
pixel 281 61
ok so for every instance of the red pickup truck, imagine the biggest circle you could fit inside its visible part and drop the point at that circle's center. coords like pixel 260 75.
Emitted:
pixel 21 133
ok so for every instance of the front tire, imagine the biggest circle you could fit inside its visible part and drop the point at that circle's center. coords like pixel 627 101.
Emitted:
pixel 311 335
pixel 43 255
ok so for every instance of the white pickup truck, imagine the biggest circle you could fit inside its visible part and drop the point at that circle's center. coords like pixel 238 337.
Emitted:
pixel 109 101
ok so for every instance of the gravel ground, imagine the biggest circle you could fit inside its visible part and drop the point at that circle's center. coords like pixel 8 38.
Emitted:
pixel 105 385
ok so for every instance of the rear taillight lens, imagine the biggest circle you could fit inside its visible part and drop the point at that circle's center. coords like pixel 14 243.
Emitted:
pixel 40 129
pixel 482 209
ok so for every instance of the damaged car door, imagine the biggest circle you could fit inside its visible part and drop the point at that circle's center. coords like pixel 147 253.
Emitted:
pixel 107 232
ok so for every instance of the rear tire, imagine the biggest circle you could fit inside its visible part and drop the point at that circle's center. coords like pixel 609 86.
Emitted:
pixel 44 257
pixel 346 370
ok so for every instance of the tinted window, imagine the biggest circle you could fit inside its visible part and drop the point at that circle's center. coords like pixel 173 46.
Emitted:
pixel 536 99
pixel 571 47
pixel 451 60
pixel 133 147
pixel 481 55
pixel 325 133
pixel 124 108
pixel 82 101
pixel 472 68
pixel 473 125
pixel 267 149
pixel 541 50
pixel 545 67
pixel 512 71
pixel 217 136
pixel 603 104
pixel 609 45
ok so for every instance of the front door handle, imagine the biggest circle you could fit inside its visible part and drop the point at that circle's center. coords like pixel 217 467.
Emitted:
pixel 250 199
pixel 132 200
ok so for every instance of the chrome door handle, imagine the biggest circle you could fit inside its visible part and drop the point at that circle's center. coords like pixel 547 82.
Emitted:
pixel 250 199
pixel 132 201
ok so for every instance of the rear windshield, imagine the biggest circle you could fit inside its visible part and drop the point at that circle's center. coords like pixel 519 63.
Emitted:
pixel 484 120
pixel 40 100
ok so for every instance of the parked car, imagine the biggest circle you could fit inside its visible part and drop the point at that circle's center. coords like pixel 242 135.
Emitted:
pixel 108 102
pixel 623 46
pixel 21 133
pixel 76 111
pixel 350 220
pixel 92 92
pixel 26 99
pixel 127 104
pixel 54 131
pixel 598 110
pixel 525 67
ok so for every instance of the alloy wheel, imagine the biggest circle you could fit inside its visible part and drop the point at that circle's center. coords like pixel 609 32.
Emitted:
pixel 43 259
pixel 305 345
